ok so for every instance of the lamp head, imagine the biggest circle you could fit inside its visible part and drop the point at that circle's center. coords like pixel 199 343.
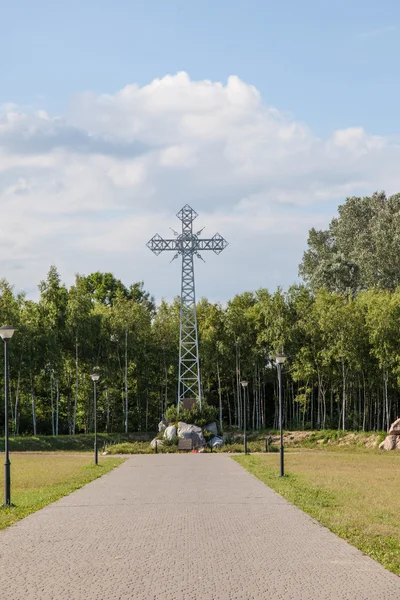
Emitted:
pixel 95 377
pixel 6 332
pixel 244 383
pixel 280 358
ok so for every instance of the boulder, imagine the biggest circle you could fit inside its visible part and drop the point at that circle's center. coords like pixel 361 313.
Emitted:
pixel 389 443
pixel 395 428
pixel 191 432
pixel 185 430
pixel 217 442
pixel 212 428
pixel 162 426
pixel 170 432
pixel 156 443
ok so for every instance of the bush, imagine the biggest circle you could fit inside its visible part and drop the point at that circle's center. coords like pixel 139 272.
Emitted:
pixel 208 414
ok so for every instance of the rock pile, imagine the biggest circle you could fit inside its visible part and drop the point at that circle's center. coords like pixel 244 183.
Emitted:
pixel 188 432
pixel 392 440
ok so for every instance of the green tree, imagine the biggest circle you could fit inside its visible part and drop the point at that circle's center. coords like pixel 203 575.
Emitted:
pixel 359 250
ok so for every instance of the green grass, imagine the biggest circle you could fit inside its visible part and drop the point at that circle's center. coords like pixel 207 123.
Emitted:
pixel 38 480
pixel 357 496
pixel 139 442
pixel 71 443
pixel 135 448
pixel 145 448
pixel 326 438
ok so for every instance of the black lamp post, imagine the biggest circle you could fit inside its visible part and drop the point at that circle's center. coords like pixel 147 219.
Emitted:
pixel 244 385
pixel 6 333
pixel 95 377
pixel 280 359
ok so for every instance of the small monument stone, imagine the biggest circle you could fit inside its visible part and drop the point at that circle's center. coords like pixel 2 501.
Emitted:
pixel 188 403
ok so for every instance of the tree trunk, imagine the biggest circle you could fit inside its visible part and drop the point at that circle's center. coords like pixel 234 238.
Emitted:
pixel 76 385
pixel 364 418
pixel 108 410
pixel 343 396
pixel 235 403
pixel 33 405
pixel 386 377
pixel 219 395
pixel 16 420
pixel 165 406
pixel 238 387
pixel 52 403
pixel 229 410
pixel 57 403
pixel 147 409
pixel 126 379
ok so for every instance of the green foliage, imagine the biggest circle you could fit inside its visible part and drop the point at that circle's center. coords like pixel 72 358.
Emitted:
pixel 343 369
pixel 194 416
pixel 208 435
pixel 360 248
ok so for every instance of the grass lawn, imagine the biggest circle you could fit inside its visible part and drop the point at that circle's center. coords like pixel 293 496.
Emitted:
pixel 37 480
pixel 357 496
pixel 81 442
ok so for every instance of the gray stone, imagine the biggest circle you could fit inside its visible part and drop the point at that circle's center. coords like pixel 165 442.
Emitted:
pixel 170 432
pixel 185 429
pixel 156 443
pixel 191 432
pixel 217 442
pixel 212 428
pixel 162 425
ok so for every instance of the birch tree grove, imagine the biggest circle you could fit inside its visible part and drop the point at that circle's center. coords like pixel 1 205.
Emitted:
pixel 343 369
pixel 340 330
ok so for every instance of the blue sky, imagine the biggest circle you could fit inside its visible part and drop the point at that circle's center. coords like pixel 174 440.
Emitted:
pixel 331 64
pixel 92 148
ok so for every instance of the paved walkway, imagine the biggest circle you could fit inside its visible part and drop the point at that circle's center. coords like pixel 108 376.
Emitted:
pixel 182 527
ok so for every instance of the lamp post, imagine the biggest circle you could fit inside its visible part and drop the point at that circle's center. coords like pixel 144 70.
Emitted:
pixel 6 333
pixel 244 385
pixel 95 377
pixel 280 359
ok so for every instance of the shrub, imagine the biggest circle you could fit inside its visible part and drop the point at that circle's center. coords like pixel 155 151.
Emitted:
pixel 208 414
pixel 208 435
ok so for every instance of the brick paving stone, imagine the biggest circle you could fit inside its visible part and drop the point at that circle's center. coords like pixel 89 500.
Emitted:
pixel 182 527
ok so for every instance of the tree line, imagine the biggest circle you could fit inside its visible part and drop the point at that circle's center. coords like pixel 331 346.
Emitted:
pixel 341 335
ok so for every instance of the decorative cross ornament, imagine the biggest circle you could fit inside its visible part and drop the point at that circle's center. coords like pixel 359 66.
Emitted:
pixel 187 244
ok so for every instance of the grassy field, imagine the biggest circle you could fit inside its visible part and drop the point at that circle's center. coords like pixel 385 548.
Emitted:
pixel 81 442
pixel 37 480
pixel 355 495
pixel 139 442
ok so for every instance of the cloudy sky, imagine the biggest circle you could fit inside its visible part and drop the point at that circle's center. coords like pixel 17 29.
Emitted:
pixel 263 116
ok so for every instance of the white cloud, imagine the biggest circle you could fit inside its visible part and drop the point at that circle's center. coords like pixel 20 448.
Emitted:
pixel 378 32
pixel 88 189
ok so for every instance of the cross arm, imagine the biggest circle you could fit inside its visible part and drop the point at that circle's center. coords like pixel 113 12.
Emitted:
pixel 157 244
pixel 216 244
pixel 191 243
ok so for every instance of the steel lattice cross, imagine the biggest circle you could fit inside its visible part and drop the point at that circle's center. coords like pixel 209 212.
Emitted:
pixel 187 244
